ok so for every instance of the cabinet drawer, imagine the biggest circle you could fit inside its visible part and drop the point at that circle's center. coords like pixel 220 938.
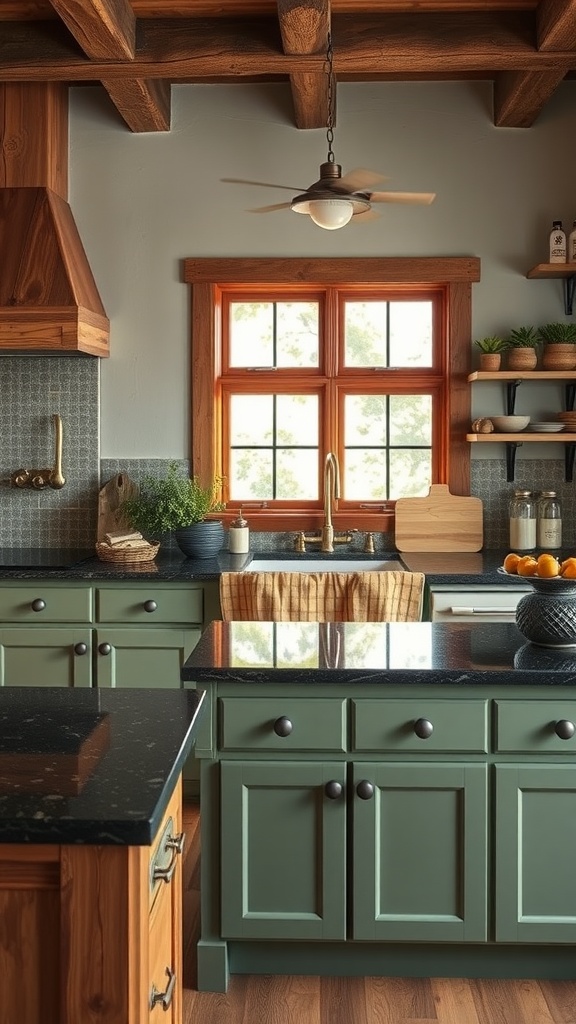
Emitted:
pixel 395 725
pixel 164 983
pixel 531 725
pixel 37 603
pixel 149 605
pixel 166 850
pixel 283 724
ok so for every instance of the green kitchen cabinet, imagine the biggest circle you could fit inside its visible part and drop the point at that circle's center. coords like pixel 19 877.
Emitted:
pixel 142 657
pixel 46 657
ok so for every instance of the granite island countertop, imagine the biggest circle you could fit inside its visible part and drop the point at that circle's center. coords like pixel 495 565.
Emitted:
pixel 91 766
pixel 386 654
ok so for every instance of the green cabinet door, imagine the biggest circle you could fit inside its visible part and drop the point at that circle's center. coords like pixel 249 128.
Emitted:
pixel 535 853
pixel 46 657
pixel 420 851
pixel 143 657
pixel 283 848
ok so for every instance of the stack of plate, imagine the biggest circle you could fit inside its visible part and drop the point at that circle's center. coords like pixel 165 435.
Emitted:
pixel 545 427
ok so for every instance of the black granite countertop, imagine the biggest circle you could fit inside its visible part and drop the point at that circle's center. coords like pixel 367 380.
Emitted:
pixel 91 766
pixel 352 653
pixel 462 568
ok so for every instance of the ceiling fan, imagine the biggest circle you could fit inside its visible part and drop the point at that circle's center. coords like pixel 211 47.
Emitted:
pixel 333 200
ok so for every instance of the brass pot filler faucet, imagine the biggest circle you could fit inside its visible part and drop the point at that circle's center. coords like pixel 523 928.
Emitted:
pixel 40 478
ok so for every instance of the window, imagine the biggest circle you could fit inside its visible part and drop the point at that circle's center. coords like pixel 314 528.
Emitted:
pixel 365 358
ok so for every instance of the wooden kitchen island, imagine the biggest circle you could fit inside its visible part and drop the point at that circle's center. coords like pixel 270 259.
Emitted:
pixel 385 799
pixel 90 854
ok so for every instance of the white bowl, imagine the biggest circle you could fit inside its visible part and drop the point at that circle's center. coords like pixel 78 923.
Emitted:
pixel 510 424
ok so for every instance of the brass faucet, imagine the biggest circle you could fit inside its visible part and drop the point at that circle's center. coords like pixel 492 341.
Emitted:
pixel 50 477
pixel 331 492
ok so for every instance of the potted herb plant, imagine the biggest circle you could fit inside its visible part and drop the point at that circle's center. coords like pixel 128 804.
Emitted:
pixel 558 346
pixel 491 349
pixel 180 505
pixel 522 348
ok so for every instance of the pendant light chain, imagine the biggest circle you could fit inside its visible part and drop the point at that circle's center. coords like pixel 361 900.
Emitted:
pixel 330 120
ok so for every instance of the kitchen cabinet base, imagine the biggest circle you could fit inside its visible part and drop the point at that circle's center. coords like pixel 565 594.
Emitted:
pixel 385 960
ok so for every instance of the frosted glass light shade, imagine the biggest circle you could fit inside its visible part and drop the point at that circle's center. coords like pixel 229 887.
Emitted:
pixel 330 213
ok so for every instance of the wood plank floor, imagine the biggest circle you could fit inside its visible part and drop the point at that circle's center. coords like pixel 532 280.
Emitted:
pixel 262 999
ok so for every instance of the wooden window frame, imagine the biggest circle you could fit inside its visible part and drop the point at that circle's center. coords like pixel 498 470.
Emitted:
pixel 207 277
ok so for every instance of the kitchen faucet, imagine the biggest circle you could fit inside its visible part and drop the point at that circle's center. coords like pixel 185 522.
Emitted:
pixel 331 491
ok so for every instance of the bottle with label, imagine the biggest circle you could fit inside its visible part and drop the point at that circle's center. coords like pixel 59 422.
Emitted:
pixel 549 523
pixel 557 243
pixel 239 535
pixel 572 244
pixel 522 521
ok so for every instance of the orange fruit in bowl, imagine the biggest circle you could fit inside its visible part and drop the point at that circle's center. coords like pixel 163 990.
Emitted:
pixel 568 568
pixel 547 566
pixel 510 563
pixel 527 566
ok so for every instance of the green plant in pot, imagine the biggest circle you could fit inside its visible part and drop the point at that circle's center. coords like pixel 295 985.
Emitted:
pixel 522 345
pixel 180 505
pixel 491 349
pixel 558 346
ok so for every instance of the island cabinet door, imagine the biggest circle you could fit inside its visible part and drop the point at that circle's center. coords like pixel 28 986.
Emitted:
pixel 420 851
pixel 283 850
pixel 535 853
pixel 143 657
pixel 46 657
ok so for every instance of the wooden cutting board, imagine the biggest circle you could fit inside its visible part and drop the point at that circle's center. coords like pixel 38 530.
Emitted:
pixel 111 496
pixel 439 522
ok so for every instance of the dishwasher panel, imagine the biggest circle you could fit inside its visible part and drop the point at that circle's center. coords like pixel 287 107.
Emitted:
pixel 471 604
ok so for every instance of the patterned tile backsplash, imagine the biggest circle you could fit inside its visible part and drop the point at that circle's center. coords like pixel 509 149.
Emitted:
pixel 33 388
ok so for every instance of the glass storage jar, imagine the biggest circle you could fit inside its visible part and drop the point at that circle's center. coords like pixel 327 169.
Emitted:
pixel 549 521
pixel 522 521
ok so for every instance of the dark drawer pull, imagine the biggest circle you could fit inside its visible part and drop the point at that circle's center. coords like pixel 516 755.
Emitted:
pixel 333 789
pixel 176 844
pixel 80 648
pixel 283 726
pixel 164 998
pixel 423 728
pixel 150 606
pixel 105 649
pixel 38 605
pixel 365 790
pixel 564 729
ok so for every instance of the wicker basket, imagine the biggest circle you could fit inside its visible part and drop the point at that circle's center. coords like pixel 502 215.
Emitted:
pixel 127 556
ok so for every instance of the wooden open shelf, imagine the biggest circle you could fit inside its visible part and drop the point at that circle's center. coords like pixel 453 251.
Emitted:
pixel 503 375
pixel 564 271
pixel 559 435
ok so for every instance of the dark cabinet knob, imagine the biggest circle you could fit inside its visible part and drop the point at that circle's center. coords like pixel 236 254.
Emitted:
pixel 105 648
pixel 80 648
pixel 283 726
pixel 38 605
pixel 150 606
pixel 423 728
pixel 365 790
pixel 564 729
pixel 333 789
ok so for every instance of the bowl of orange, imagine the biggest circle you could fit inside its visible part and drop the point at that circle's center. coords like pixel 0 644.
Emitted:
pixel 547 615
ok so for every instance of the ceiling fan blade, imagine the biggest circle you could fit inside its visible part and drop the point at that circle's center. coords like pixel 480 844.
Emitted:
pixel 270 209
pixel 359 180
pixel 262 184
pixel 366 215
pixel 402 197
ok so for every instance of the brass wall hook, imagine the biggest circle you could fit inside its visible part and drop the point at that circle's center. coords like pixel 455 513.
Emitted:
pixel 40 478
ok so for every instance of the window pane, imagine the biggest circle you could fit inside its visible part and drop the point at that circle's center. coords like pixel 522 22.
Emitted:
pixel 273 447
pixel 365 420
pixel 251 419
pixel 365 475
pixel 410 473
pixel 282 334
pixel 297 420
pixel 365 332
pixel 250 475
pixel 411 333
pixel 410 420
pixel 297 474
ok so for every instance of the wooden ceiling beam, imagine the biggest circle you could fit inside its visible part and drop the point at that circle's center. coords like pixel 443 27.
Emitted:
pixel 145 105
pixel 556 24
pixel 304 28
pixel 520 96
pixel 105 29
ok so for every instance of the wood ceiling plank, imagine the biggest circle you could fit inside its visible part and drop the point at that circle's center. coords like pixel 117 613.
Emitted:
pixel 556 21
pixel 105 29
pixel 187 49
pixel 520 96
pixel 145 106
pixel 304 28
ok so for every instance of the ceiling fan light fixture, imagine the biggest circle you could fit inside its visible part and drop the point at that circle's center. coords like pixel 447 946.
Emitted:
pixel 326 213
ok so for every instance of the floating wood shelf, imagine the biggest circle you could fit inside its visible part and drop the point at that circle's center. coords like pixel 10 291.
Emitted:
pixel 564 271
pixel 559 435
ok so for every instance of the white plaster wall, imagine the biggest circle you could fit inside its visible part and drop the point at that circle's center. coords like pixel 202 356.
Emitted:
pixel 143 203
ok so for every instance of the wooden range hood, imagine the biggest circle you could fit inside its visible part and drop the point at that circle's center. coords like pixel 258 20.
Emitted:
pixel 49 302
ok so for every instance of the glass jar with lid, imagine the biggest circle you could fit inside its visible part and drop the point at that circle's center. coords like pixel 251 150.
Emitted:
pixel 549 521
pixel 523 521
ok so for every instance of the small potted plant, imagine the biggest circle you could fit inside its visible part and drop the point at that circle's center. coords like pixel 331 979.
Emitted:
pixel 491 349
pixel 180 505
pixel 559 346
pixel 522 345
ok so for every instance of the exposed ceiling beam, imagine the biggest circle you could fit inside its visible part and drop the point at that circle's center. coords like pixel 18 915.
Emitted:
pixel 520 96
pixel 105 29
pixel 556 20
pixel 144 105
pixel 304 27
